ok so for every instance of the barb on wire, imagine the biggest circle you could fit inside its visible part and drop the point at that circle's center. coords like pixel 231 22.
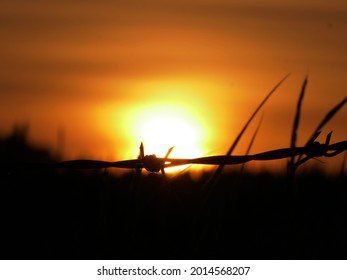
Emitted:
pixel 323 122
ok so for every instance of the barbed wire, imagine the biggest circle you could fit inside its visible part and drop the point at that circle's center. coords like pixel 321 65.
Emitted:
pixel 154 164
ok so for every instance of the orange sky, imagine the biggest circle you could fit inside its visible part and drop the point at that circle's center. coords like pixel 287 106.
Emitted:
pixel 97 70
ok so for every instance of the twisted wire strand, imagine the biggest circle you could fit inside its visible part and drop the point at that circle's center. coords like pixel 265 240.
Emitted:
pixel 154 164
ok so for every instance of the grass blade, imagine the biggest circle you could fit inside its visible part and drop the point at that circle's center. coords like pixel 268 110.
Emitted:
pixel 251 143
pixel 216 174
pixel 328 117
pixel 291 166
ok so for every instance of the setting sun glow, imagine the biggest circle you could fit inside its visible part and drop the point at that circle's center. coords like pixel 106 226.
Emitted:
pixel 161 128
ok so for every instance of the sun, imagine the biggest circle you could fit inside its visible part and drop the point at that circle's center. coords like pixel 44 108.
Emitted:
pixel 161 115
pixel 162 127
pixel 163 132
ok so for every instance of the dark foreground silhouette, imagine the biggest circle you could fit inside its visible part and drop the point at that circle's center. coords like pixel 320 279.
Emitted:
pixel 75 214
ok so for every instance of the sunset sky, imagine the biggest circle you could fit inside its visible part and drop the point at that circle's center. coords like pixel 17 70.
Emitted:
pixel 102 76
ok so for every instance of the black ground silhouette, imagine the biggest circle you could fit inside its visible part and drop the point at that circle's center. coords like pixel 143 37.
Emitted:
pixel 76 214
